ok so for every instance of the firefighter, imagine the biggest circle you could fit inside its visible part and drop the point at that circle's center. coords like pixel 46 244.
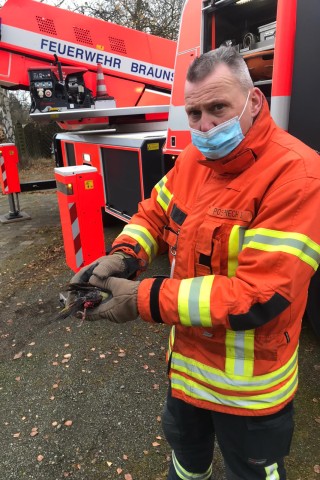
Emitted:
pixel 238 217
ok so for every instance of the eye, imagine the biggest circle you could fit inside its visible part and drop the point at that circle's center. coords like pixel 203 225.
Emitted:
pixel 217 107
pixel 194 114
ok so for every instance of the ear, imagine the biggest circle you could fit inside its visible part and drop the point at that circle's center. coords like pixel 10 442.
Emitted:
pixel 256 101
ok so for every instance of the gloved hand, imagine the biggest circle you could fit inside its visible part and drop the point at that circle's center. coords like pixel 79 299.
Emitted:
pixel 118 265
pixel 122 307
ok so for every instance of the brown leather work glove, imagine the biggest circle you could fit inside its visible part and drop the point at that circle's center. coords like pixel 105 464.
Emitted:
pixel 117 265
pixel 122 307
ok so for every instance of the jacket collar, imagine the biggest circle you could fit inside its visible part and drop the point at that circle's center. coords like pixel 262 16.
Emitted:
pixel 246 153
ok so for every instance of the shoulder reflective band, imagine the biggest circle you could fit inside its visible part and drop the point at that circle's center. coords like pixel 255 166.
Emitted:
pixel 194 301
pixel 296 244
pixel 164 196
pixel 143 237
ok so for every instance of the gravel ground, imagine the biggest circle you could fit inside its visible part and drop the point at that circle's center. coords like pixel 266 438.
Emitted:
pixel 84 400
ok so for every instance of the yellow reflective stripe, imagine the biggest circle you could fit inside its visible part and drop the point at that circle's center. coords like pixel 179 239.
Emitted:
pixel 272 472
pixel 171 340
pixel 296 244
pixel 234 247
pixel 185 475
pixel 218 378
pixel 194 301
pixel 254 402
pixel 164 195
pixel 240 352
pixel 143 237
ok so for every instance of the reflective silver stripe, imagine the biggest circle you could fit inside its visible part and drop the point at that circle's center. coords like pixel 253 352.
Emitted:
pixel 293 243
pixel 143 237
pixel 185 475
pixel 240 352
pixel 164 196
pixel 254 402
pixel 220 379
pixel 194 301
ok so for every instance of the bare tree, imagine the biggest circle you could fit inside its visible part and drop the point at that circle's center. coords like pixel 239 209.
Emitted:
pixel 19 103
pixel 158 17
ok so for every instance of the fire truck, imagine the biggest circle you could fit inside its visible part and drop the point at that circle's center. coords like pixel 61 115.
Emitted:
pixel 133 133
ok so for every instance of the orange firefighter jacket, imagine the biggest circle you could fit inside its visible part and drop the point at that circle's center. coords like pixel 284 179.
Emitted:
pixel 242 234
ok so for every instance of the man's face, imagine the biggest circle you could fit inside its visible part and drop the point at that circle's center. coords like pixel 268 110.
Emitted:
pixel 216 99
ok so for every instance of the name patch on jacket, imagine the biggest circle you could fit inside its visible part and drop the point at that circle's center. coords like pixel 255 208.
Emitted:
pixel 230 213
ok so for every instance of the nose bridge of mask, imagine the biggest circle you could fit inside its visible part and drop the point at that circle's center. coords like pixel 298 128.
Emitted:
pixel 222 126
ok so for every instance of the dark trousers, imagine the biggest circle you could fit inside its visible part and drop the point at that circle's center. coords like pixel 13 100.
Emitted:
pixel 253 448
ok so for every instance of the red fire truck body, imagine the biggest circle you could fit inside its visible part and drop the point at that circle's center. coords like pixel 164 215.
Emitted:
pixel 131 128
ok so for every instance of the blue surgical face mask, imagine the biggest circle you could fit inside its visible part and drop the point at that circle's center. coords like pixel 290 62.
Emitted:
pixel 220 140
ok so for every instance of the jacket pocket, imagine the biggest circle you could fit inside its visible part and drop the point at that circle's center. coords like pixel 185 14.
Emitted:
pixel 217 247
pixel 208 249
pixel 269 437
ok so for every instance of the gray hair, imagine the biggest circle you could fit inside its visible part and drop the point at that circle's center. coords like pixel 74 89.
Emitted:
pixel 204 65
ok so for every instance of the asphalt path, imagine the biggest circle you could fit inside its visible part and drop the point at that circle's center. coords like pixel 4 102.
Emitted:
pixel 83 400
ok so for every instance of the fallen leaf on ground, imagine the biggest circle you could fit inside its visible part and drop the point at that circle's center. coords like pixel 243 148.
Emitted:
pixel 17 435
pixel 18 355
pixel 155 444
pixel 40 458
pixel 316 468
pixel 119 470
pixel 34 432
pixel 68 423
pixel 128 476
